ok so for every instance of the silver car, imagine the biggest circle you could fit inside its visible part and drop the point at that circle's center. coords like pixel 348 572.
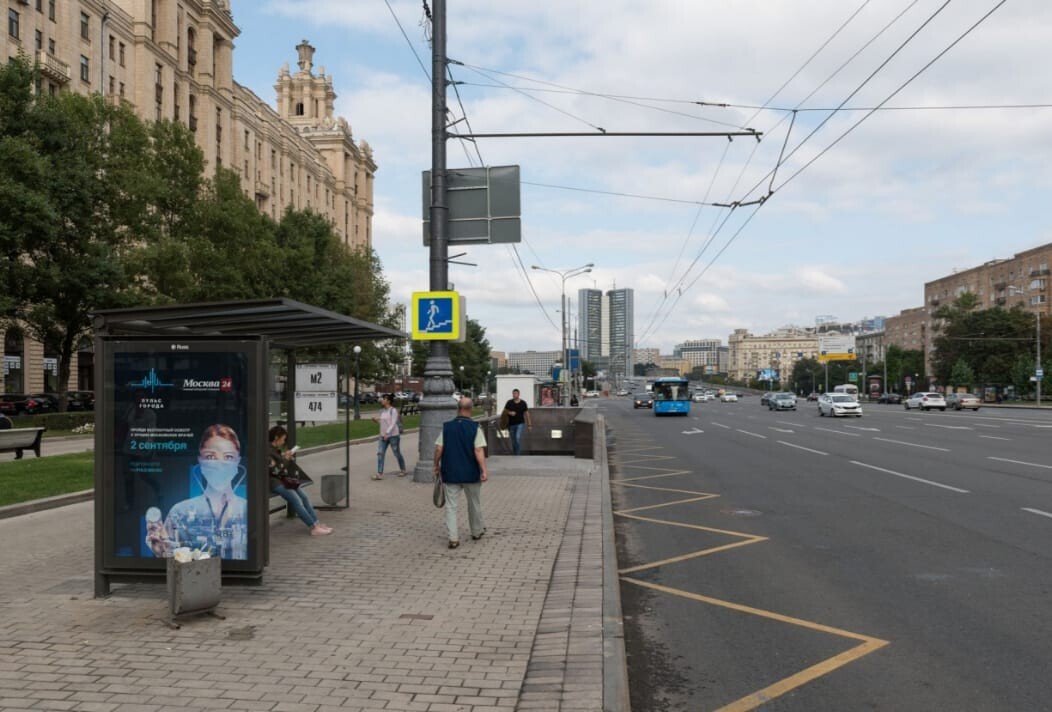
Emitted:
pixel 838 404
pixel 925 400
pixel 781 401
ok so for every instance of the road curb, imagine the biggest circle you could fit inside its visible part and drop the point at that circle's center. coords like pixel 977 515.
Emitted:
pixel 615 662
pixel 39 505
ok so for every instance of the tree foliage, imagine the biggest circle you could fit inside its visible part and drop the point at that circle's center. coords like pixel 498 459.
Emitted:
pixel 473 355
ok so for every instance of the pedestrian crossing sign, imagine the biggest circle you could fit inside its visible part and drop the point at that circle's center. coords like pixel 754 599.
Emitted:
pixel 437 316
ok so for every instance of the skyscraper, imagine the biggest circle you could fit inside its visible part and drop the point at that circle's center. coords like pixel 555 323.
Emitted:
pixel 606 330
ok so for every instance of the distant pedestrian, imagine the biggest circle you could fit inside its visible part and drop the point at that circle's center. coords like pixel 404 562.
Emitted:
pixel 518 413
pixel 460 462
pixel 390 436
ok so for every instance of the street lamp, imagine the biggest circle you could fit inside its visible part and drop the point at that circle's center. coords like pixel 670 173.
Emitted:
pixel 357 370
pixel 563 276
pixel 461 386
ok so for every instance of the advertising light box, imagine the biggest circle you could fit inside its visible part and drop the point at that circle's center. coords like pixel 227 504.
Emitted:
pixel 182 451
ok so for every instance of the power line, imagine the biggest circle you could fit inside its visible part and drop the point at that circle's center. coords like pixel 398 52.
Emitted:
pixel 616 193
pixel 408 41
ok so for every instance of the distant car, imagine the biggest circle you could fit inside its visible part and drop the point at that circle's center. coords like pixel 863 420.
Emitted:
pixel 367 397
pixel 50 400
pixel 622 392
pixel 892 398
pixel 812 396
pixel 80 400
pixel 765 398
pixel 27 405
pixel 782 401
pixel 960 401
pixel 591 394
pixel 642 400
pixel 925 400
pixel 415 396
pixel 8 407
pixel 729 398
pixel 700 397
pixel 839 405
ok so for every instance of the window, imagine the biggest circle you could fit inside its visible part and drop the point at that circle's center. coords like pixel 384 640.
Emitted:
pixel 1037 284
pixel 120 52
pixel 1039 299
pixel 191 50
pixel 175 100
pixel 51 46
pixel 113 85
pixel 85 69
pixel 299 105
pixel 40 5
pixel 153 20
pixel 51 10
pixel 85 26
pixel 246 140
pixel 113 47
pixel 122 90
pixel 12 24
pixel 39 44
pixel 273 159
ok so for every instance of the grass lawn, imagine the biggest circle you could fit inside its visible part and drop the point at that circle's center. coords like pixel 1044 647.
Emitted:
pixel 38 477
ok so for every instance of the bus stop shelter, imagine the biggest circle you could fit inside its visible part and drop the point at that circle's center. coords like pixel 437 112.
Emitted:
pixel 168 378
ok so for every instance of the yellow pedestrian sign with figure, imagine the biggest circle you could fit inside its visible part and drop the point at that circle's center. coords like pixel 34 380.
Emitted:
pixel 437 316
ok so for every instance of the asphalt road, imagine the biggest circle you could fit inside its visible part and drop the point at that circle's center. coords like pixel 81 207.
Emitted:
pixel 898 561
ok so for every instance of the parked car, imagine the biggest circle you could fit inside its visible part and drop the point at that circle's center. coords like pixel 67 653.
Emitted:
pixel 8 407
pixel 26 404
pixel 765 398
pixel 839 404
pixel 782 401
pixel 729 398
pixel 642 400
pixel 893 398
pixel 591 394
pixel 960 401
pixel 812 396
pixel 50 400
pixel 925 400
pixel 80 400
pixel 368 397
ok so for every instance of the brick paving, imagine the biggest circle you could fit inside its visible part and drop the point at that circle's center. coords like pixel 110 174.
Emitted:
pixel 378 616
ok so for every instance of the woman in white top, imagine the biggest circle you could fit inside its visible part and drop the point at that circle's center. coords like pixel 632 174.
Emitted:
pixel 390 435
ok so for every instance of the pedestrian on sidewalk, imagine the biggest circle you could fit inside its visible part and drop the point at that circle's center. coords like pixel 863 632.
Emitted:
pixel 287 478
pixel 460 463
pixel 518 413
pixel 390 436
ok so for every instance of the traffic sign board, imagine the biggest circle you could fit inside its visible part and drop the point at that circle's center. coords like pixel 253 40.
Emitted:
pixel 437 316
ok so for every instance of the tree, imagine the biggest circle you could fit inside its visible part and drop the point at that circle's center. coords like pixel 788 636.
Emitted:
pixel 962 374
pixel 80 179
pixel 473 355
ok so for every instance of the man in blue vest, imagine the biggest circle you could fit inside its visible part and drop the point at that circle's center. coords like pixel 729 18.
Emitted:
pixel 461 464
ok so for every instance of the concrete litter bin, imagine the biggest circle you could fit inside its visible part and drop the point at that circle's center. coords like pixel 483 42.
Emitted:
pixel 194 588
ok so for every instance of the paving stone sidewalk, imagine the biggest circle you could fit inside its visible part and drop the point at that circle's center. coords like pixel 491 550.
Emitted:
pixel 380 615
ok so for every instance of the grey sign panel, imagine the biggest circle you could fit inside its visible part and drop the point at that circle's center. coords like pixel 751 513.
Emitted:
pixel 484 205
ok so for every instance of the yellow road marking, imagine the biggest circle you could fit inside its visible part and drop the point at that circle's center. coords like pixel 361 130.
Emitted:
pixel 760 697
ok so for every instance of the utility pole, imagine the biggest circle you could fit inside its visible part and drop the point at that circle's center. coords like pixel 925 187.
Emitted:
pixel 436 406
pixel 1037 371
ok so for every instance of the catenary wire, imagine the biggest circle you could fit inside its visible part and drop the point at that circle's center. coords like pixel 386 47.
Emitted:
pixel 408 41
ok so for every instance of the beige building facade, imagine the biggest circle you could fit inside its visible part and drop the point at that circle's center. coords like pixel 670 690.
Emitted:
pixel 748 354
pixel 173 59
pixel 1021 279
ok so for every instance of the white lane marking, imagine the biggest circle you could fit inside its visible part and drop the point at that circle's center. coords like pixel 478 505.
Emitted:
pixel 909 477
pixel 905 427
pixel 695 431
pixel 801 447
pixel 1020 462
pixel 948 427
pixel 1037 511
pixel 789 422
pixel 859 427
pixel 993 437
pixel 987 425
pixel 721 425
pixel 755 435
pixel 903 442
pixel 1041 426
pixel 839 432
pixel 780 430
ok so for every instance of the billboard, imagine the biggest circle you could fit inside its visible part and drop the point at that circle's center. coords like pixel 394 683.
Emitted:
pixel 180 451
pixel 836 347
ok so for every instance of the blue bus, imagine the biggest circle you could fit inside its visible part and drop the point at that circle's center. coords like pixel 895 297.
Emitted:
pixel 671 396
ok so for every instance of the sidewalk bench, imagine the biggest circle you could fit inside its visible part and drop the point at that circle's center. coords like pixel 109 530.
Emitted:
pixel 278 503
pixel 18 439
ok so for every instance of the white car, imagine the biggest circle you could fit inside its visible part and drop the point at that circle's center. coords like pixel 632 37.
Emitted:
pixel 699 397
pixel 729 398
pixel 838 404
pixel 925 400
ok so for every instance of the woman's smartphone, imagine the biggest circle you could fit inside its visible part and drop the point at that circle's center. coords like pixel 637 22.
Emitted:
pixel 294 449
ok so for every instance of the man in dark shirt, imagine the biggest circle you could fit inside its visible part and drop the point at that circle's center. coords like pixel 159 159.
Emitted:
pixel 518 420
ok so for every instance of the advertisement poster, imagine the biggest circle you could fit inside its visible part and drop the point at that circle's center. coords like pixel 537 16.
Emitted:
pixel 836 347
pixel 180 453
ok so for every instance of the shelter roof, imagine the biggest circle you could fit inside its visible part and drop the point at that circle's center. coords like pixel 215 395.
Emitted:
pixel 286 322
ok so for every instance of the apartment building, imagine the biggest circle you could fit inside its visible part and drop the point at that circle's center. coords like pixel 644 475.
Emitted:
pixel 646 355
pixel 173 59
pixel 747 354
pixel 539 363
pixel 606 330
pixel 1021 279
pixel 709 354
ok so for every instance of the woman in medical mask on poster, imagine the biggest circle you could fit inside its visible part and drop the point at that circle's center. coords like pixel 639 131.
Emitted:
pixel 216 520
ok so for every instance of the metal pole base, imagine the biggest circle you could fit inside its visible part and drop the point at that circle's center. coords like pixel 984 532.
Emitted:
pixel 436 407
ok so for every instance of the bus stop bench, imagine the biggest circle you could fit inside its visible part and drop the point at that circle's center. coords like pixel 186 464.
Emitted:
pixel 18 439
pixel 278 503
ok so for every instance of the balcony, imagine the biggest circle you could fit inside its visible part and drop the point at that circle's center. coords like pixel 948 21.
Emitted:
pixel 934 301
pixel 1000 301
pixel 52 67
pixel 1000 286
pixel 262 189
pixel 1038 272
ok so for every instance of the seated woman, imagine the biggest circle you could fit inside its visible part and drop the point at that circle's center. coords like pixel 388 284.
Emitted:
pixel 285 482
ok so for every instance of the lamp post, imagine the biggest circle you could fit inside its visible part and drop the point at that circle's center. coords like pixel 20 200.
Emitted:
pixel 563 276
pixel 460 385
pixel 357 370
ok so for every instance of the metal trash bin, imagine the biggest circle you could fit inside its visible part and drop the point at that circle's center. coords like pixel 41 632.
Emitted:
pixel 194 587
pixel 333 489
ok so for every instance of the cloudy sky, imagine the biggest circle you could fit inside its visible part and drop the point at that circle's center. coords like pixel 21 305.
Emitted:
pixel 907 196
